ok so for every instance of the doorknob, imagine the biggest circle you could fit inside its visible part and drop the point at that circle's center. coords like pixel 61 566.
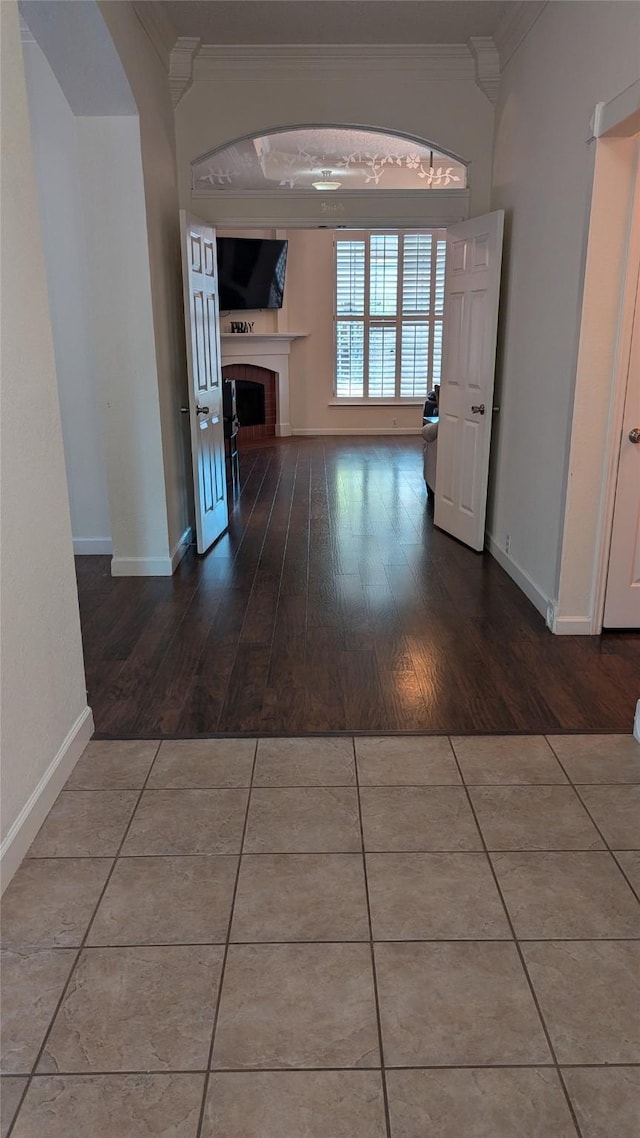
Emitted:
pixel 477 409
pixel 634 435
pixel 201 410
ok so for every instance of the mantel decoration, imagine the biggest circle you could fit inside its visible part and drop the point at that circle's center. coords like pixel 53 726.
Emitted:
pixel 327 158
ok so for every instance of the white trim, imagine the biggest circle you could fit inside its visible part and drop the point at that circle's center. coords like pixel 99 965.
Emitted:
pixel 620 116
pixel 215 62
pixel 92 545
pixel 180 548
pixel 514 27
pixel 357 430
pixel 141 567
pixel 487 65
pixel 376 402
pixel 518 574
pixel 181 60
pixel 568 625
pixel 23 831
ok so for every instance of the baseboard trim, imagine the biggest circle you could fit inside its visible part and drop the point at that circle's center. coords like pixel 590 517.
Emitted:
pixel 180 548
pixel 33 813
pixel 519 575
pixel 569 625
pixel 92 545
pixel 357 430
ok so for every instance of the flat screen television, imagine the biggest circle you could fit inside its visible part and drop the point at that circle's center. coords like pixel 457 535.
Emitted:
pixel 250 273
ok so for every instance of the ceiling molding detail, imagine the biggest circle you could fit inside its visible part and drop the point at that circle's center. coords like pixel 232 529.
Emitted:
pixel 181 60
pixel 158 27
pixel 514 26
pixel 487 61
pixel 296 61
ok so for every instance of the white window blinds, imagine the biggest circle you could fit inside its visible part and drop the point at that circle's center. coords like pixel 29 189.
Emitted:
pixel 389 304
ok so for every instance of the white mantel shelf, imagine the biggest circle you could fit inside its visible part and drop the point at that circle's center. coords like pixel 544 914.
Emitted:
pixel 264 349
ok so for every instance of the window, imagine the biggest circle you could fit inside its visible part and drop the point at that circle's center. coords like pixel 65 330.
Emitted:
pixel 388 314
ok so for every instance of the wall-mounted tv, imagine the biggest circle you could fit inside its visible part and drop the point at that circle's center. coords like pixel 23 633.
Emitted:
pixel 250 273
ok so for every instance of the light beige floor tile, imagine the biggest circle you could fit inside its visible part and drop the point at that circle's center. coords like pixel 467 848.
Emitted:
pixel 301 897
pixel 616 812
pixel 32 984
pixel 304 762
pixel 304 1104
pixel 10 1095
pixel 113 765
pixel 132 1009
pixel 533 818
pixel 193 764
pixel 417 818
pixel 431 896
pixel 589 993
pixel 415 760
pixel 606 1100
pixel 456 1003
pixel 166 900
pixel 187 822
pixel 556 895
pixel 478 1103
pixel 305 820
pixel 506 759
pixel 630 862
pixel 85 823
pixel 50 902
pixel 111 1106
pixel 297 1005
pixel 598 758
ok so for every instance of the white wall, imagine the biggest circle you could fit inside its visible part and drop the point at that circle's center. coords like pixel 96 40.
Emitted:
pixel 148 78
pixel 451 113
pixel 55 150
pixel 574 56
pixel 45 719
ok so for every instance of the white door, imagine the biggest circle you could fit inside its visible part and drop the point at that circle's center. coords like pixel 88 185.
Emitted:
pixel 474 254
pixel 622 599
pixel 200 280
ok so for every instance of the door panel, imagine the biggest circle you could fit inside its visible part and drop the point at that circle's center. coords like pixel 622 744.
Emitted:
pixel 622 600
pixel 205 383
pixel 472 286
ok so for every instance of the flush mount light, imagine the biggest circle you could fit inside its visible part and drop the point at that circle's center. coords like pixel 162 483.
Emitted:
pixel 326 182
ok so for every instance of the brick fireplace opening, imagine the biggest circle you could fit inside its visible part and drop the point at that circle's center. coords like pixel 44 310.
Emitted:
pixel 249 408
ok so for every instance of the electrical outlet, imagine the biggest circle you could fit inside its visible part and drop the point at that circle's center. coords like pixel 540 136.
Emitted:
pixel 507 543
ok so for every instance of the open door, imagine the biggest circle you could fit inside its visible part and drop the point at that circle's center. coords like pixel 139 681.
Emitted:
pixel 622 598
pixel 200 282
pixel 474 254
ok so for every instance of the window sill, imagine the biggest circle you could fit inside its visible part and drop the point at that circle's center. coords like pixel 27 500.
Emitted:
pixel 376 402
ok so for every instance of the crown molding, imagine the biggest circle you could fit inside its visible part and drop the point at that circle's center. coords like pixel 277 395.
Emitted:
pixel 158 27
pixel 487 63
pixel 26 35
pixel 306 195
pixel 181 61
pixel 514 26
pixel 295 61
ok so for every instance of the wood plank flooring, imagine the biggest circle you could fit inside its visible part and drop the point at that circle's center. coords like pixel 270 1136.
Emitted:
pixel 333 604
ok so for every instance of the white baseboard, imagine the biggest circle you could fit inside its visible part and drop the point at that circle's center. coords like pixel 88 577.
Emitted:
pixel 283 430
pixel 519 575
pixel 180 548
pixel 357 430
pixel 33 813
pixel 92 545
pixel 152 566
pixel 569 625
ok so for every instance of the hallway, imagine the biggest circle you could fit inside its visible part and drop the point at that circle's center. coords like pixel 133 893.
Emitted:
pixel 333 604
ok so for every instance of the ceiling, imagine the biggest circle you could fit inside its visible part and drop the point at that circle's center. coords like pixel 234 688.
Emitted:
pixel 333 21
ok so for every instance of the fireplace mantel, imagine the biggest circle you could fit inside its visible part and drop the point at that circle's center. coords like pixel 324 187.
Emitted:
pixel 265 349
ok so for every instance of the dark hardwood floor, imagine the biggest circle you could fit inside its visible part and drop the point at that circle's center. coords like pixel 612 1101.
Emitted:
pixel 333 604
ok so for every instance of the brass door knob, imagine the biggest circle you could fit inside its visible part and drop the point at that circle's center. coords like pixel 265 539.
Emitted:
pixel 634 435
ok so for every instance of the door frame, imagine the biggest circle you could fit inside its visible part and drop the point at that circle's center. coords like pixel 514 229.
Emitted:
pixel 602 366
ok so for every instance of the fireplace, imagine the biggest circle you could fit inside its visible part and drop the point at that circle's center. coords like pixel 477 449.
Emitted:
pixel 255 400
pixel 264 352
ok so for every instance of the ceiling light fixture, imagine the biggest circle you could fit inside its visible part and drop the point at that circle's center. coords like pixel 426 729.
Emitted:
pixel 326 182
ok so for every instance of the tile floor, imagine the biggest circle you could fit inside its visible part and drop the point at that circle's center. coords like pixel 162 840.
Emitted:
pixel 404 937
